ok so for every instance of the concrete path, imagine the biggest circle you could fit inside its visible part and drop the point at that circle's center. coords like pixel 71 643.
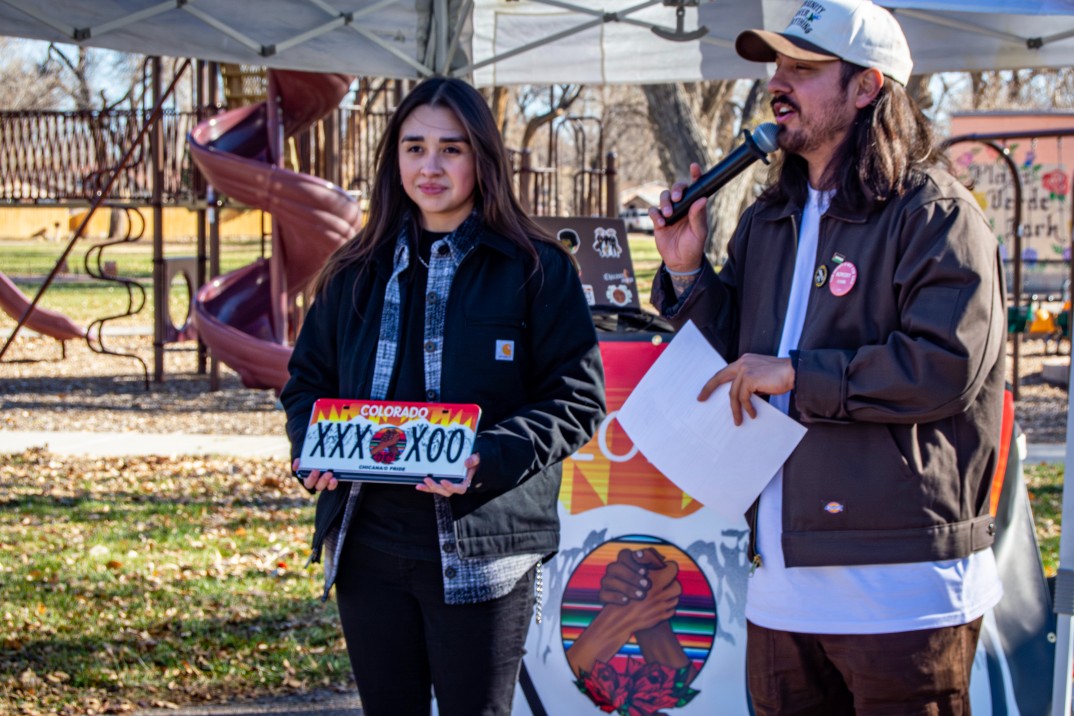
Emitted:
pixel 1051 452
pixel 165 444
pixel 267 446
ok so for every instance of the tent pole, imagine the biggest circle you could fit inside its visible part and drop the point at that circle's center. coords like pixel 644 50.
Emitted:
pixel 1063 663
pixel 1063 602
pixel 160 291
pixel 441 20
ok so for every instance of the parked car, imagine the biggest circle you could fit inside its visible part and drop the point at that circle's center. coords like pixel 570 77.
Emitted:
pixel 637 220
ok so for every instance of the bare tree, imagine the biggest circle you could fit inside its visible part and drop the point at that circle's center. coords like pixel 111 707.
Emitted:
pixel 560 99
pixel 544 112
pixel 81 76
pixel 86 76
pixel 700 122
pixel 1007 89
pixel 628 133
pixel 499 98
pixel 24 83
pixel 681 138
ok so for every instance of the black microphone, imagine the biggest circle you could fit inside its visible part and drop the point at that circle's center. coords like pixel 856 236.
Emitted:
pixel 757 146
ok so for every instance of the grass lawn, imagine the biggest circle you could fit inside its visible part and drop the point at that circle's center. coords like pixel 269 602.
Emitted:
pixel 133 260
pixel 646 261
pixel 1045 486
pixel 139 582
pixel 83 299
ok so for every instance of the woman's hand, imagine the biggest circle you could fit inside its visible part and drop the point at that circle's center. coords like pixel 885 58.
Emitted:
pixel 627 577
pixel 317 480
pixel 659 603
pixel 446 488
pixel 682 244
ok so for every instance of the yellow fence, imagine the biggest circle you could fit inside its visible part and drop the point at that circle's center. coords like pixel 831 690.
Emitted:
pixel 58 224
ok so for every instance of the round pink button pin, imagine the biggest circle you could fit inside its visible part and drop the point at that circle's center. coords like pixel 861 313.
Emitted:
pixel 843 278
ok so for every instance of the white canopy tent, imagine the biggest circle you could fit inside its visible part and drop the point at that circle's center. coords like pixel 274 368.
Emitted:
pixel 526 41
pixel 546 41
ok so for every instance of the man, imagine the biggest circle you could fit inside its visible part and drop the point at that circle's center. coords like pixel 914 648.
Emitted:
pixel 862 293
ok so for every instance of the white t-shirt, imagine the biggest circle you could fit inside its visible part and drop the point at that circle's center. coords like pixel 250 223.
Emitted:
pixel 869 599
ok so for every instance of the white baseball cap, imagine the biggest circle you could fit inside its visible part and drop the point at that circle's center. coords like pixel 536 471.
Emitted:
pixel 857 31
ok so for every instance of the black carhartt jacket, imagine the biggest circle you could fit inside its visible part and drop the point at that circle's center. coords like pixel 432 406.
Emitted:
pixel 536 409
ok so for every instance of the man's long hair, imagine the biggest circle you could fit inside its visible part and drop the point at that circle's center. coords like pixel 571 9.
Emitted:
pixel 494 198
pixel 885 153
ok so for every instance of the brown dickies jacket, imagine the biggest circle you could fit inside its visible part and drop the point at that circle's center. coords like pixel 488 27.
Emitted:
pixel 899 381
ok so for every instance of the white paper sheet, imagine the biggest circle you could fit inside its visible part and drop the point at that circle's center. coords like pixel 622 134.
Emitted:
pixel 697 444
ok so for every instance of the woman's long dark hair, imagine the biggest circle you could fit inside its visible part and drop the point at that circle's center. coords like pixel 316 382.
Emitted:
pixel 885 153
pixel 494 199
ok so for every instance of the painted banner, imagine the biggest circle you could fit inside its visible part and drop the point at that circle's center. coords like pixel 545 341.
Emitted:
pixel 1046 222
pixel 681 648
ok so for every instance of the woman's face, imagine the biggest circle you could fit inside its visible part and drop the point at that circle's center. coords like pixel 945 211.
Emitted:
pixel 437 166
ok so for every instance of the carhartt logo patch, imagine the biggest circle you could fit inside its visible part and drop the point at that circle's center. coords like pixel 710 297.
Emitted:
pixel 505 350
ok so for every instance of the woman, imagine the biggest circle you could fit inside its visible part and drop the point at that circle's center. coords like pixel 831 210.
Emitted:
pixel 449 294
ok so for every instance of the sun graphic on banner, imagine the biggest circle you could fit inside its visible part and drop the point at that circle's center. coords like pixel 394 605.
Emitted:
pixel 609 470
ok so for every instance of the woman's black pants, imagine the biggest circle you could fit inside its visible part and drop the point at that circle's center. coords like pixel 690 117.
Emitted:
pixel 404 642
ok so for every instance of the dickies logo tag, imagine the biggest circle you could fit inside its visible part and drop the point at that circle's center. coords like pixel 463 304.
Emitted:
pixel 505 350
pixel 834 508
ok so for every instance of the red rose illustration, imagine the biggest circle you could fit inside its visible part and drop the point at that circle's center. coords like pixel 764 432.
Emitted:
pixel 603 686
pixel 1056 183
pixel 654 689
pixel 640 690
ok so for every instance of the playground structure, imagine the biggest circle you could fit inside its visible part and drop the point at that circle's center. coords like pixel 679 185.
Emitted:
pixel 50 323
pixel 244 316
pixel 248 318
pixel 108 157
pixel 103 173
